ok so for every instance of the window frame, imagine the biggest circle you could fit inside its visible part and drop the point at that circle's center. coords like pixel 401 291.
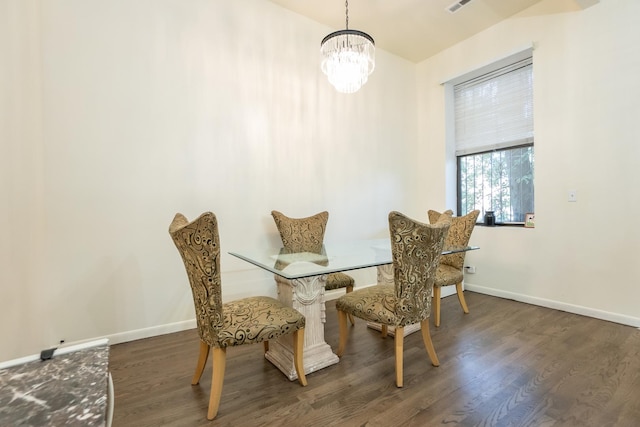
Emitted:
pixel 451 157
pixel 459 207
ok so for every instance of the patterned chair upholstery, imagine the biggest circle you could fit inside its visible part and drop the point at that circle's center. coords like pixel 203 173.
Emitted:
pixel 450 271
pixel 245 321
pixel 307 235
pixel 416 250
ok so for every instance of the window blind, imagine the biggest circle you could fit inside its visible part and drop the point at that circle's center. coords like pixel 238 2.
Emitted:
pixel 495 110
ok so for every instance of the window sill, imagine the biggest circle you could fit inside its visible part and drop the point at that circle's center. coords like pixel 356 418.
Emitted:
pixel 501 224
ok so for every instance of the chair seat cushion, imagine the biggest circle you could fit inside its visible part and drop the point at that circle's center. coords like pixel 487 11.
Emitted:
pixel 257 319
pixel 373 303
pixel 447 275
pixel 338 280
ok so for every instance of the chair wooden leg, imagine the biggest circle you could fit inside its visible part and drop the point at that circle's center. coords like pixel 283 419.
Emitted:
pixel 426 337
pixel 217 378
pixel 384 330
pixel 399 343
pixel 298 360
pixel 350 289
pixel 266 346
pixel 436 306
pixel 463 302
pixel 202 362
pixel 342 323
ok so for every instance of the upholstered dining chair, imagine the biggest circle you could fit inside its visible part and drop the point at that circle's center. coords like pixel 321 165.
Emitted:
pixel 416 250
pixel 450 271
pixel 244 321
pixel 307 235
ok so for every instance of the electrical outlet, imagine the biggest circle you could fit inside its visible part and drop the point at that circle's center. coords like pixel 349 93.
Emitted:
pixel 470 269
pixel 573 196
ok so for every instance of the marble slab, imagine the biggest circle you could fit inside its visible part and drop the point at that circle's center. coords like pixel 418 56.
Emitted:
pixel 69 389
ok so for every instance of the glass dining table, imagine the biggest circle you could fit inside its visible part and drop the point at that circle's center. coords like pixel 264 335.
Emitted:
pixel 301 279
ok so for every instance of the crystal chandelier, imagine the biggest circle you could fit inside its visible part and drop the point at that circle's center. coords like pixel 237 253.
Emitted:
pixel 348 57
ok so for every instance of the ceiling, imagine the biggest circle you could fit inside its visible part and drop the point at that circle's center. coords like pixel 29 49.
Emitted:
pixel 412 29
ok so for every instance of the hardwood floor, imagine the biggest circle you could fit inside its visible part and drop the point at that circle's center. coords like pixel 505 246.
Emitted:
pixel 504 364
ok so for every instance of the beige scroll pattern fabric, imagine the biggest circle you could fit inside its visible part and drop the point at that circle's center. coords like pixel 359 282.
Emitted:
pixel 307 235
pixel 459 235
pixel 249 320
pixel 416 250
pixel 302 234
pixel 450 268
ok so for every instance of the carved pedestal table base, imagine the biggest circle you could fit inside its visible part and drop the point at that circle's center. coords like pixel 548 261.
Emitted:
pixel 307 296
pixel 385 277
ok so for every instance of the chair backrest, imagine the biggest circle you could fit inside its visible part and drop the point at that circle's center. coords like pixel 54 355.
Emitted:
pixel 459 235
pixel 416 249
pixel 199 245
pixel 302 234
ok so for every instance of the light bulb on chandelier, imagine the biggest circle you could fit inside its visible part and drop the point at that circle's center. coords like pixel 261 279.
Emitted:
pixel 348 57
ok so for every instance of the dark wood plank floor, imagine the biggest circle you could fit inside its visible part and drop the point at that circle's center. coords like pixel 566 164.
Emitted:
pixel 504 364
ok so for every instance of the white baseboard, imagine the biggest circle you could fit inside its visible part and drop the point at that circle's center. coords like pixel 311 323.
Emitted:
pixel 169 328
pixel 153 331
pixel 336 293
pixel 557 305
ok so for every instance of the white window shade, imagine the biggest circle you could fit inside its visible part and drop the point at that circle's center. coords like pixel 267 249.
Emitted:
pixel 495 110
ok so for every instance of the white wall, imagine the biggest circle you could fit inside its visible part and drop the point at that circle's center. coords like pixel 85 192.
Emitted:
pixel 580 256
pixel 21 170
pixel 123 113
pixel 116 115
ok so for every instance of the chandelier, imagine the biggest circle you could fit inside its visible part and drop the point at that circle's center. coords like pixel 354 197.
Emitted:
pixel 348 57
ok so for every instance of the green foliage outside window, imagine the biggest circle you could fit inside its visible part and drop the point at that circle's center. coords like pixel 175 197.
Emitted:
pixel 499 181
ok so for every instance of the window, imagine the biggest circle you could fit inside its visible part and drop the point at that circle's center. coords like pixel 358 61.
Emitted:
pixel 494 142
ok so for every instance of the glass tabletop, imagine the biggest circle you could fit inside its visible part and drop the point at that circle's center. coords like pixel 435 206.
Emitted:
pixel 334 257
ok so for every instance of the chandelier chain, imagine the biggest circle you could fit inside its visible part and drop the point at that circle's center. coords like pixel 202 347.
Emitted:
pixel 346 7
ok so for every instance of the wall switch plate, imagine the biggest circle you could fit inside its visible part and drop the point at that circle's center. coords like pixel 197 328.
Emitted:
pixel 573 196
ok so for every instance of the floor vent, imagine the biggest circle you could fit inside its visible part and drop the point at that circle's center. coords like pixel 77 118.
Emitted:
pixel 457 6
